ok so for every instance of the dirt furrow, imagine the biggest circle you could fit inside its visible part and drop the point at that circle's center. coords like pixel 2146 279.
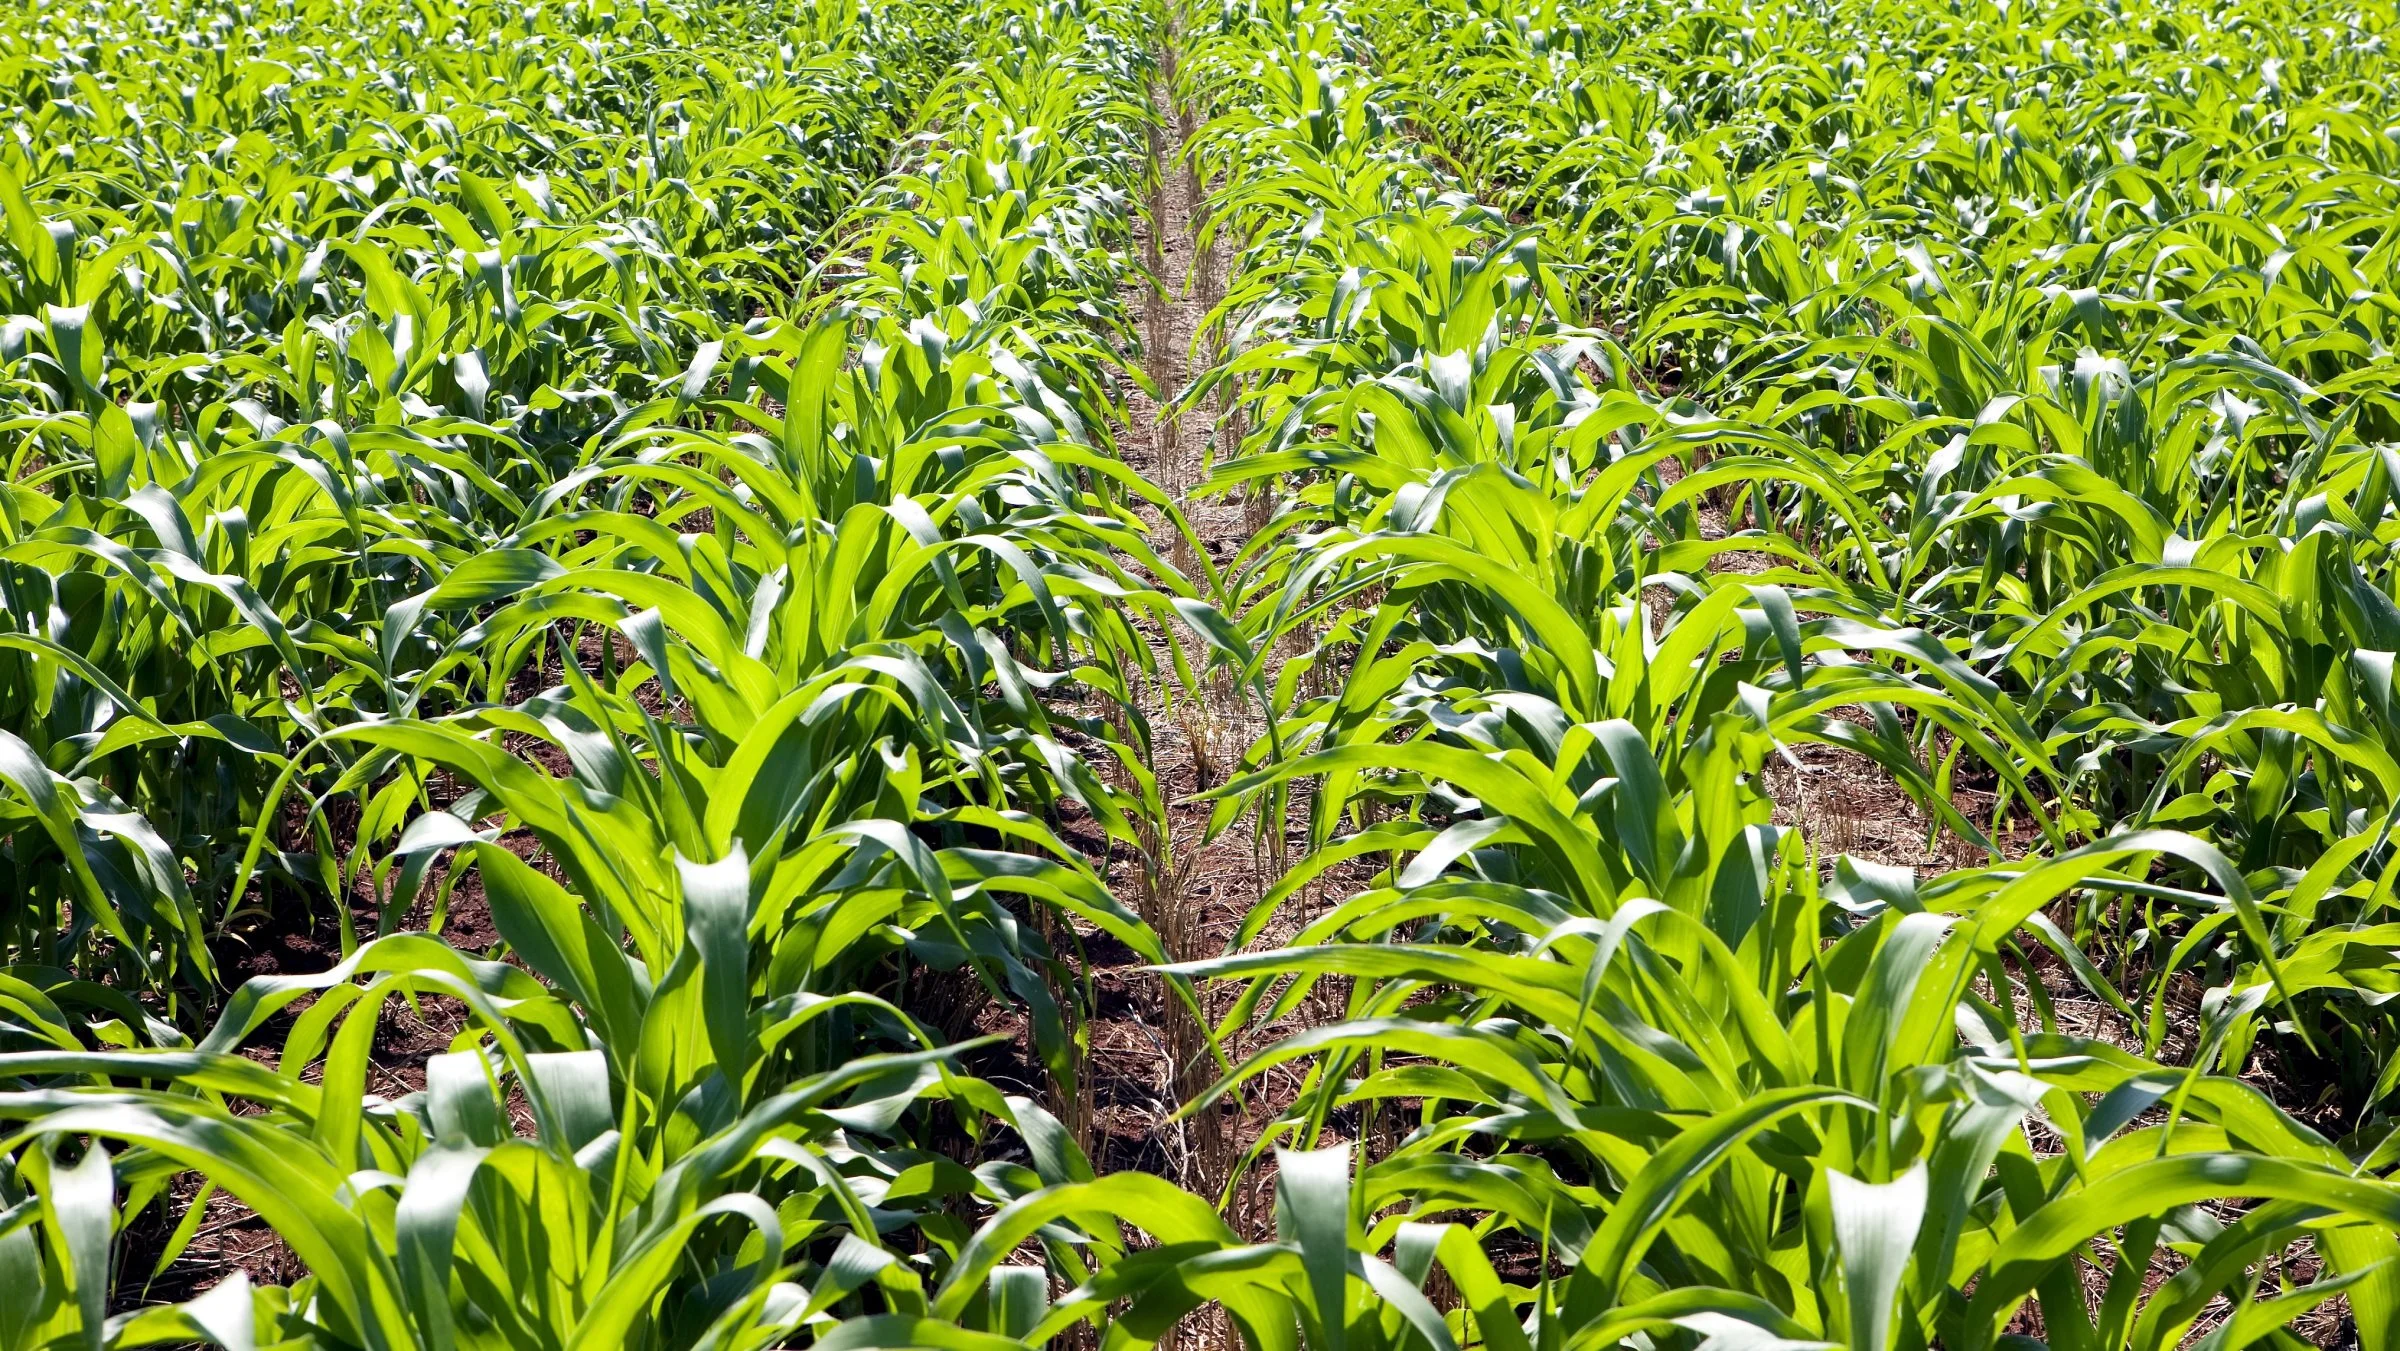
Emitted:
pixel 1148 1056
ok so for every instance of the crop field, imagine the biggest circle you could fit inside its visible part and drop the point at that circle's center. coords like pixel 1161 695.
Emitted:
pixel 1301 675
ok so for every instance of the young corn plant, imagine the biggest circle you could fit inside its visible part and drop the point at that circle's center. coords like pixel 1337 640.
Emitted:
pixel 1569 710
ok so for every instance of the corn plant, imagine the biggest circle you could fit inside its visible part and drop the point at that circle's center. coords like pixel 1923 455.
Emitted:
pixel 649 471
pixel 1549 724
